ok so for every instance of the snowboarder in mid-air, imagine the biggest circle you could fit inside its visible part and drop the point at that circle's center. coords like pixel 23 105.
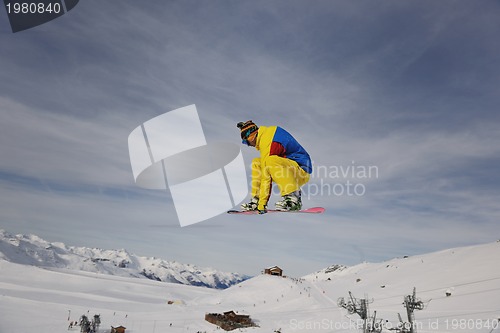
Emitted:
pixel 282 160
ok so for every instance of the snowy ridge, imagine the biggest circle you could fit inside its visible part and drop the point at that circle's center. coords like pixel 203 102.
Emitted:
pixel 459 289
pixel 32 250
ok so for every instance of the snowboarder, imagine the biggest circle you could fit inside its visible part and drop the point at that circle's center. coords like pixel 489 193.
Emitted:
pixel 282 160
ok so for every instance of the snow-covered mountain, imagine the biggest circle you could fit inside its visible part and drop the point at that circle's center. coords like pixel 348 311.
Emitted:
pixel 32 250
pixel 457 290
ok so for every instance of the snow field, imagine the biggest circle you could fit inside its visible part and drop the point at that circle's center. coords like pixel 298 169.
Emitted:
pixel 33 298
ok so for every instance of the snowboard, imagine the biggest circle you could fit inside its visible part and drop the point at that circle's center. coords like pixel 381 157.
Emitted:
pixel 313 210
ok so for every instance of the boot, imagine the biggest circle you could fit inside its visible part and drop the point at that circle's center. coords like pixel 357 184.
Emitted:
pixel 290 202
pixel 252 205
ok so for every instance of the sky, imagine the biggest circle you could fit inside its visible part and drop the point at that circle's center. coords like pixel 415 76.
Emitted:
pixel 396 102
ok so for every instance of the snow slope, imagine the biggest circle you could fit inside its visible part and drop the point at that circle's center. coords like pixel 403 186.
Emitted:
pixel 32 250
pixel 34 298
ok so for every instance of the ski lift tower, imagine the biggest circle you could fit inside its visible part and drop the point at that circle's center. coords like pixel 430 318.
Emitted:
pixel 411 304
pixel 360 307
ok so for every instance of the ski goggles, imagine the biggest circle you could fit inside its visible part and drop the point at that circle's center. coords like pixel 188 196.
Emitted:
pixel 245 135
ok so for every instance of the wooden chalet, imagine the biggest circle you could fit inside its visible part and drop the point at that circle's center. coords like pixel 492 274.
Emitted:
pixel 119 329
pixel 275 270
pixel 229 320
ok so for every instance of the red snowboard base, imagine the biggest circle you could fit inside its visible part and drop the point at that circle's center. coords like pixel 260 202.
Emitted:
pixel 313 210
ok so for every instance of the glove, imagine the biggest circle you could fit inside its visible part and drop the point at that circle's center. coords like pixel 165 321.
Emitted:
pixel 262 209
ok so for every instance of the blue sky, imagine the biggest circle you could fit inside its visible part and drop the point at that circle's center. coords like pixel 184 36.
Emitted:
pixel 408 87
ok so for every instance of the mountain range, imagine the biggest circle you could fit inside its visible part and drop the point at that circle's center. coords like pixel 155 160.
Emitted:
pixel 47 286
pixel 35 251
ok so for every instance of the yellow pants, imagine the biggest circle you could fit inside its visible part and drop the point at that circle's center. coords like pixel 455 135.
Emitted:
pixel 286 173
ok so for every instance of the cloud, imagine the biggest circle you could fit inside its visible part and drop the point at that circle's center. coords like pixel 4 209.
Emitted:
pixel 63 149
pixel 408 87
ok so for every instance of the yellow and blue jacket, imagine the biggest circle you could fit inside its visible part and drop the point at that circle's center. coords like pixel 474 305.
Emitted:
pixel 274 140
